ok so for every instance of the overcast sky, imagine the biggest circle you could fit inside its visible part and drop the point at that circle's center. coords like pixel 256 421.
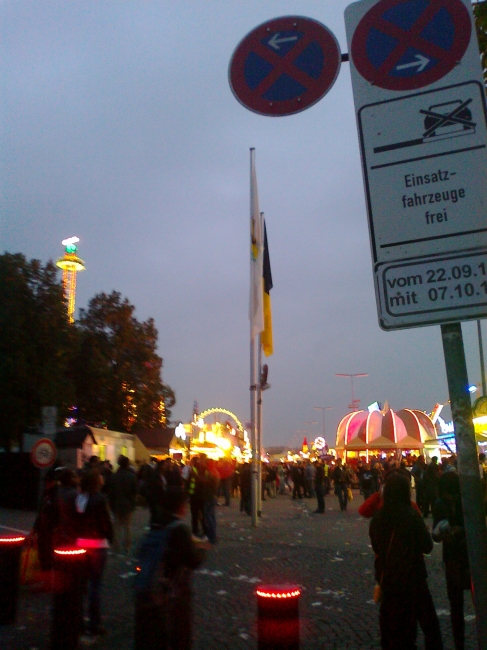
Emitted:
pixel 120 127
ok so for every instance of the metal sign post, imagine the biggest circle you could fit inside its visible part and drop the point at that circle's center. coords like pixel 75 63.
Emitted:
pixel 468 470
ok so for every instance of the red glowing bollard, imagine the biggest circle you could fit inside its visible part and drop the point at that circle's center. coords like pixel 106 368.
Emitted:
pixel 67 601
pixel 278 617
pixel 10 550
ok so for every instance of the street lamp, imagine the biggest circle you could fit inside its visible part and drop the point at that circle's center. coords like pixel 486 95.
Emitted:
pixel 323 409
pixel 355 402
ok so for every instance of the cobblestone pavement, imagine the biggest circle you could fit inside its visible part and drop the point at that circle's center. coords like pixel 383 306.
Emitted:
pixel 329 556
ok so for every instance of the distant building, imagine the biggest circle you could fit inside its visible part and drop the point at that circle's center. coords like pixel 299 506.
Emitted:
pixel 157 442
pixel 75 445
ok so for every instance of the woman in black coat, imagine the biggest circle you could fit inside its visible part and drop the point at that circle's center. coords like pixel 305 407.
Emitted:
pixel 400 539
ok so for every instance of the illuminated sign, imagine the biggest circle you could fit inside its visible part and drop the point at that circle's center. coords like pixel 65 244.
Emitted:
pixel 446 427
pixel 180 431
pixel 70 244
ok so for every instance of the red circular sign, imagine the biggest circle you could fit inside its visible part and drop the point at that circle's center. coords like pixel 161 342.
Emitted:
pixel 409 44
pixel 43 453
pixel 284 66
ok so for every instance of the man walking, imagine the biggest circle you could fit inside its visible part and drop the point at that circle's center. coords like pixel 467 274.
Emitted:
pixel 340 479
pixel 122 495
pixel 418 472
pixel 431 480
pixel 297 477
pixel 320 487
pixel 309 475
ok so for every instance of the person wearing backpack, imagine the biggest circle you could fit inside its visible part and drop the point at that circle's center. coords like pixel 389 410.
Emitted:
pixel 167 557
pixel 369 483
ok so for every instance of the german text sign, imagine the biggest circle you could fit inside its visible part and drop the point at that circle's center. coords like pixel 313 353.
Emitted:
pixel 422 123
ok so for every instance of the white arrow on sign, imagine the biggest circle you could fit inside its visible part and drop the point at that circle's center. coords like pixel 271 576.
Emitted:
pixel 275 40
pixel 421 62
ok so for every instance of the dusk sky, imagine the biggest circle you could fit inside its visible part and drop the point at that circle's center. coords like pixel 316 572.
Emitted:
pixel 119 127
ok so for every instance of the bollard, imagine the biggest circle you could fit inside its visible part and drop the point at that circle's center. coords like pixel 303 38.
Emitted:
pixel 278 617
pixel 67 602
pixel 10 550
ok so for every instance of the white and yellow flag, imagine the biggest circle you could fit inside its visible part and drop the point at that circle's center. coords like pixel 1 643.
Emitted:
pixel 256 312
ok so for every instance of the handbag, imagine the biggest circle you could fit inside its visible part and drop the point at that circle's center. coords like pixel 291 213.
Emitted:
pixel 349 493
pixel 30 566
pixel 377 596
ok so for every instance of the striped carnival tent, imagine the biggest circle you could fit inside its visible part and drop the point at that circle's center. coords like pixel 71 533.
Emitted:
pixel 384 430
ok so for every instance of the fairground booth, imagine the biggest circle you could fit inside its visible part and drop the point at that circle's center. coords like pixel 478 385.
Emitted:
pixel 445 442
pixel 216 432
pixel 379 433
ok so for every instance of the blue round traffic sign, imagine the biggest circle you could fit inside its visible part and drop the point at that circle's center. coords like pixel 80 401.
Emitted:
pixel 409 44
pixel 284 66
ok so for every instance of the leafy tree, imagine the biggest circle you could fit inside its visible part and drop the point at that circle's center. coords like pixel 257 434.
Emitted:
pixel 480 13
pixel 35 345
pixel 117 371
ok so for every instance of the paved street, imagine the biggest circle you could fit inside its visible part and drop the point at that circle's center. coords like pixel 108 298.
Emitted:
pixel 329 556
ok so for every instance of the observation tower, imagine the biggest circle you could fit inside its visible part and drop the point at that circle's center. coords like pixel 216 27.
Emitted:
pixel 70 264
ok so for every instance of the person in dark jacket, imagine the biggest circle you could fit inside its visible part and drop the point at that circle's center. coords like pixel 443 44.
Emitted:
pixel 66 532
pixel 369 481
pixel 156 486
pixel 123 494
pixel 95 533
pixel 430 483
pixel 400 538
pixel 319 487
pixel 197 493
pixel 297 477
pixel 449 528
pixel 245 480
pixel 341 481
pixel 163 613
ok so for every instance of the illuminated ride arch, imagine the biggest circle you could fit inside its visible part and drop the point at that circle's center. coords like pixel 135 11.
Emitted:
pixel 226 412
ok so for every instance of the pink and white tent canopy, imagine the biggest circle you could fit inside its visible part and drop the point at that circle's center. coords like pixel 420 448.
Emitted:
pixel 406 429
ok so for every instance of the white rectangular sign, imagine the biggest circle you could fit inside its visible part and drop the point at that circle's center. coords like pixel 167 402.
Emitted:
pixel 432 290
pixel 424 160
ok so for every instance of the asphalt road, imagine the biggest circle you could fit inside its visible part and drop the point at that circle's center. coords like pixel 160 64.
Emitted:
pixel 328 556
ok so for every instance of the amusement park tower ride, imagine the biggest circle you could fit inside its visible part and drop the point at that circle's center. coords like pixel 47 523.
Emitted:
pixel 70 264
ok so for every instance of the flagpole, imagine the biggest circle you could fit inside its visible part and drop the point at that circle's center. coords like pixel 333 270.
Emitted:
pixel 253 383
pixel 258 391
pixel 253 437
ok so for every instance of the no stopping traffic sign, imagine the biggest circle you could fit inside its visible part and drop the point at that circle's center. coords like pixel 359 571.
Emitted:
pixel 284 66
pixel 408 44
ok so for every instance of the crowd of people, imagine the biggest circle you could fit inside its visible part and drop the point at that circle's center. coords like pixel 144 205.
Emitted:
pixel 93 509
pixel 400 539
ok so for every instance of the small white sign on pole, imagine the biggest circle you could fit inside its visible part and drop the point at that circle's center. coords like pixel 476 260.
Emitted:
pixel 420 105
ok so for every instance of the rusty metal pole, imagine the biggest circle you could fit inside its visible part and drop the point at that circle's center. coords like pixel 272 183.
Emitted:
pixel 468 470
